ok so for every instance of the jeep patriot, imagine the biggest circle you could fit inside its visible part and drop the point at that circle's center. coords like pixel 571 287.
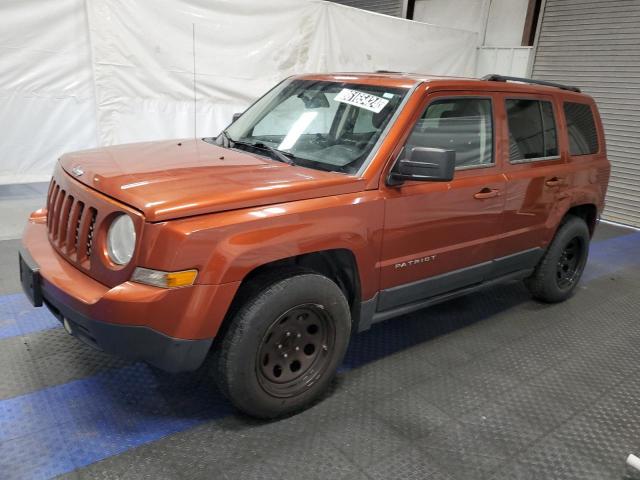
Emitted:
pixel 333 202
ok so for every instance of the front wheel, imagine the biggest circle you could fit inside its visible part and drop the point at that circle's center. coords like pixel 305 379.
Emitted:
pixel 283 345
pixel 558 273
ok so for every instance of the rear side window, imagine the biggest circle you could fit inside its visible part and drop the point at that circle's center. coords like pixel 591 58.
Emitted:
pixel 460 124
pixel 532 130
pixel 583 137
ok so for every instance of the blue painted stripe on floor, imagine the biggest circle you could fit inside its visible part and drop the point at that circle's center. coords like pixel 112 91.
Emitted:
pixel 18 317
pixel 58 429
pixel 65 427
pixel 609 256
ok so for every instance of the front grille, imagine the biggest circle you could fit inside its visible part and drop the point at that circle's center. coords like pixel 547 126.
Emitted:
pixel 77 223
pixel 70 224
pixel 92 225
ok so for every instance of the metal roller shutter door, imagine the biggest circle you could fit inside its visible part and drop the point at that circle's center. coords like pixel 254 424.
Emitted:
pixel 388 7
pixel 595 45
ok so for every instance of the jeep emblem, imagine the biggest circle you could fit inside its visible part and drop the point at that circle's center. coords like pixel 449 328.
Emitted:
pixel 77 171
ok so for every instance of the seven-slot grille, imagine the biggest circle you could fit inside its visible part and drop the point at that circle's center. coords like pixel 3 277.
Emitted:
pixel 70 223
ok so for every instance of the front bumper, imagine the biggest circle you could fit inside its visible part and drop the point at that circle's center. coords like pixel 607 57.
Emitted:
pixel 172 329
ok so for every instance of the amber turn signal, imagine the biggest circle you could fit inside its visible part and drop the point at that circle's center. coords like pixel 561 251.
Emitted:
pixel 161 279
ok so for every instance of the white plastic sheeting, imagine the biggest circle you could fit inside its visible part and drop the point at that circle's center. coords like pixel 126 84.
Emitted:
pixel 499 22
pixel 76 74
pixel 466 14
pixel 512 61
pixel 47 103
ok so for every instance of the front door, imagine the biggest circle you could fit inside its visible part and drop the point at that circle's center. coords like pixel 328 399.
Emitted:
pixel 441 236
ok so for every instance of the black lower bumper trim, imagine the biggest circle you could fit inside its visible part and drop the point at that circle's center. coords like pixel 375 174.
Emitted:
pixel 30 277
pixel 134 342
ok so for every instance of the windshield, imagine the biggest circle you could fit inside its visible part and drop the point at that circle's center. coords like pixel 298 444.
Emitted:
pixel 319 124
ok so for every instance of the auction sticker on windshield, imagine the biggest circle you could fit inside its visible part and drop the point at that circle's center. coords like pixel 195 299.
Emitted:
pixel 361 99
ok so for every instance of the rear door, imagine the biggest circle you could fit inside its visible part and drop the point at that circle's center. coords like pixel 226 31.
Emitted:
pixel 440 236
pixel 537 172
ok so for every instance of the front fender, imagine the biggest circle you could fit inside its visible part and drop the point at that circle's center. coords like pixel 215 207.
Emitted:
pixel 225 247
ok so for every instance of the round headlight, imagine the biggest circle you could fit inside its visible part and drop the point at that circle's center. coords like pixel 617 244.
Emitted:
pixel 121 240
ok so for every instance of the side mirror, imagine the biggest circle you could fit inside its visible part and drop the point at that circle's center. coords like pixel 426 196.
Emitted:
pixel 236 116
pixel 426 165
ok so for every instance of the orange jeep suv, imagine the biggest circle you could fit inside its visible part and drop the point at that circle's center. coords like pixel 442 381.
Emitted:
pixel 333 202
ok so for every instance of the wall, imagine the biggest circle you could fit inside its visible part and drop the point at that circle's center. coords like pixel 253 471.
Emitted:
pixel 465 14
pixel 499 22
pixel 47 103
pixel 512 61
pixel 504 19
pixel 76 74
pixel 506 23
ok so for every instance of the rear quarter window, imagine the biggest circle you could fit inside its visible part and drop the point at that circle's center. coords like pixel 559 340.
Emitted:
pixel 581 128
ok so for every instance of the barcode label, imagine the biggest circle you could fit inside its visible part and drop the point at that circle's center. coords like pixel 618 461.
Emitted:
pixel 361 99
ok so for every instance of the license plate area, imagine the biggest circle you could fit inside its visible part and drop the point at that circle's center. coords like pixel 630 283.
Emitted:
pixel 30 278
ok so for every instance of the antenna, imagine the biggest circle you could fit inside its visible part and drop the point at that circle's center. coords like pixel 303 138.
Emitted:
pixel 195 115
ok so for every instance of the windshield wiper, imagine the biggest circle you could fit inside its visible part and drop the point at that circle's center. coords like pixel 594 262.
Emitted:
pixel 275 153
pixel 228 142
pixel 282 156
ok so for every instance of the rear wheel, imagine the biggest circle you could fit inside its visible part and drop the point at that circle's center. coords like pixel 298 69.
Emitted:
pixel 558 273
pixel 283 345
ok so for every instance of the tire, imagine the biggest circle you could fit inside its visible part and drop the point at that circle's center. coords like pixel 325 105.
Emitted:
pixel 556 276
pixel 257 365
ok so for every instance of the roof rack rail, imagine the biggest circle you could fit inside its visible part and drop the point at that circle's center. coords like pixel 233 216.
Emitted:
pixel 387 71
pixel 504 78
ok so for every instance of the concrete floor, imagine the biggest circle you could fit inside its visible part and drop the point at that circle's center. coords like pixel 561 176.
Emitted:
pixel 16 203
pixel 493 385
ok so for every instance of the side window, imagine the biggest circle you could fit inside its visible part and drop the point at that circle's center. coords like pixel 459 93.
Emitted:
pixel 461 124
pixel 583 136
pixel 532 130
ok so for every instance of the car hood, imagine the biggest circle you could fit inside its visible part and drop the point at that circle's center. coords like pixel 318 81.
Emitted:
pixel 179 178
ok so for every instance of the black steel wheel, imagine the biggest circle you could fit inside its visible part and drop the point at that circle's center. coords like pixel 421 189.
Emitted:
pixel 569 264
pixel 279 351
pixel 295 350
pixel 556 276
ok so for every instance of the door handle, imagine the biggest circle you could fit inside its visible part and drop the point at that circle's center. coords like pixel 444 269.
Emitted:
pixel 554 182
pixel 486 193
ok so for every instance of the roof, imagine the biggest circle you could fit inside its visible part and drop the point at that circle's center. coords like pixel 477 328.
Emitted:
pixel 395 79
pixel 408 80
